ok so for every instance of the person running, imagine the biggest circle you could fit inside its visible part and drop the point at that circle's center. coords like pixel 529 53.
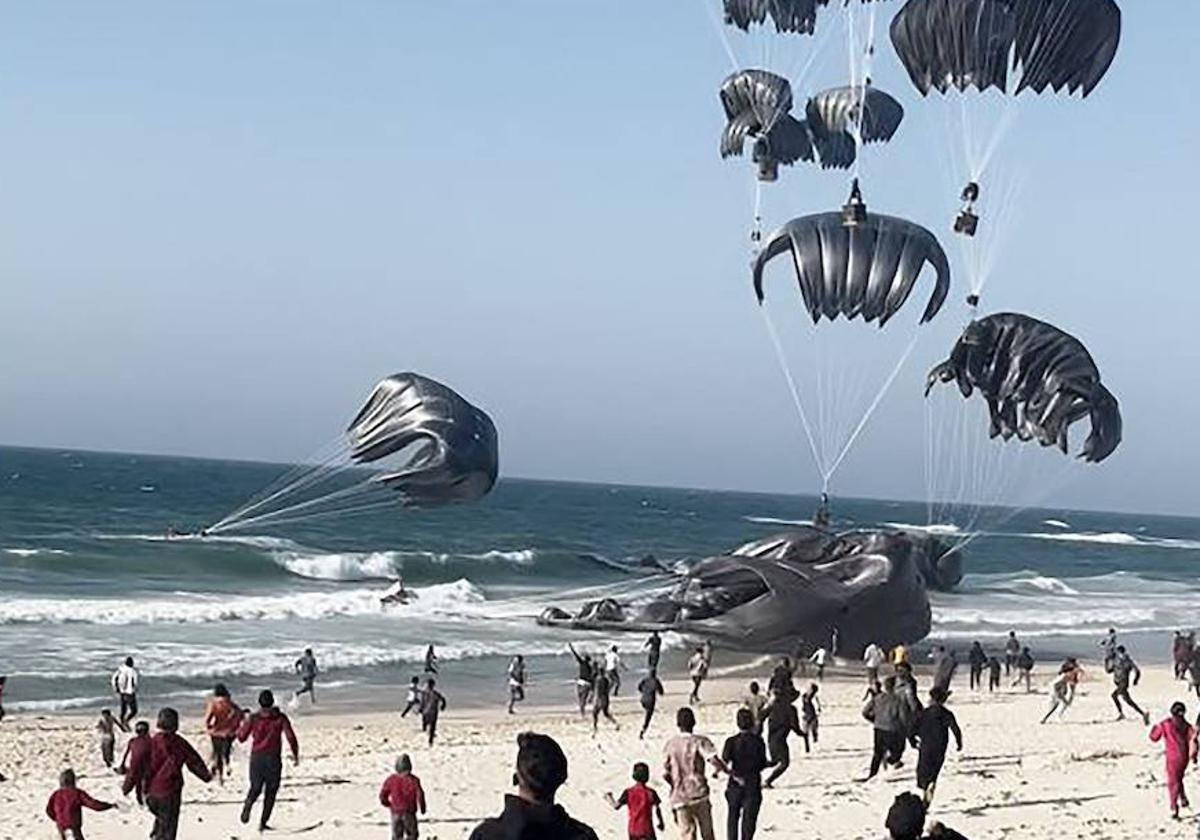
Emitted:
pixel 931 734
pixel 1025 665
pixel 1062 690
pixel 413 699
pixel 993 673
pixel 306 667
pixel 780 684
pixel 404 797
pixel 697 670
pixel 1123 667
pixel 649 690
pixel 137 749
pixel 873 659
pixel 810 714
pixel 685 756
pixel 222 718
pixel 819 658
pixel 431 660
pixel 600 702
pixel 782 721
pixel 516 682
pixel 1012 652
pixel 1179 739
pixel 976 659
pixel 757 703
pixel 744 758
pixel 653 648
pixel 125 685
pixel 1193 672
pixel 107 726
pixel 1109 645
pixel 541 770
pixel 584 681
pixel 642 802
pixel 1181 654
pixel 886 713
pixel 433 703
pixel 3 682
pixel 267 728
pixel 161 768
pixel 66 806
pixel 612 669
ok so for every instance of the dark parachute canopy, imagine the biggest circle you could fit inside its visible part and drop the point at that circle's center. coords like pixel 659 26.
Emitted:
pixel 864 270
pixel 1037 381
pixel 1057 44
pixel 799 16
pixel 757 105
pixel 834 116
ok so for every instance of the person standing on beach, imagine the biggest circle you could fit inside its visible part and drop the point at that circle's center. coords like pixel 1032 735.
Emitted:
pixel 404 797
pixel 161 769
pixel 1025 665
pixel 125 685
pixel 433 703
pixel 1012 652
pixel 413 700
pixel 612 669
pixel 267 728
pixel 1109 646
pixel 1179 738
pixel 685 757
pixel 976 659
pixel 697 670
pixel 886 714
pixel 600 702
pixel 931 734
pixel 106 726
pixel 873 659
pixel 137 749
pixel 993 674
pixel 306 667
pixel 810 715
pixel 431 660
pixel 649 690
pixel 819 658
pixel 1123 668
pixel 221 720
pixel 744 758
pixel 642 802
pixel 782 721
pixel 516 682
pixel 583 682
pixel 66 806
pixel 653 648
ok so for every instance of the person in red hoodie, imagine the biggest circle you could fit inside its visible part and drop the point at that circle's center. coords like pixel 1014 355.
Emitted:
pixel 161 769
pixel 403 795
pixel 268 726
pixel 136 749
pixel 67 803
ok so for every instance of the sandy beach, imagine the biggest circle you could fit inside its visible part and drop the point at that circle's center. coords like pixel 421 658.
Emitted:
pixel 1083 776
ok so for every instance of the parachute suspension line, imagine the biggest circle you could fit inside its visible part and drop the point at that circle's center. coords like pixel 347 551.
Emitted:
pixel 756 225
pixel 275 519
pixel 791 383
pixel 981 252
pixel 715 20
pixel 330 500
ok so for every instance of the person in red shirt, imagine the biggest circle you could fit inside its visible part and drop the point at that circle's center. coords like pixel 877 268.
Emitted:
pixel 136 749
pixel 403 795
pixel 67 803
pixel 641 800
pixel 268 726
pixel 221 720
pixel 160 768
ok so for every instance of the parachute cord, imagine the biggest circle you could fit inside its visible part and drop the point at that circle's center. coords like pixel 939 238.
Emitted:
pixel 756 225
pixel 791 383
pixel 721 34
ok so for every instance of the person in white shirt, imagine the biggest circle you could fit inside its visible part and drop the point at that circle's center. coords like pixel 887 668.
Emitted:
pixel 819 659
pixel 612 669
pixel 873 659
pixel 125 684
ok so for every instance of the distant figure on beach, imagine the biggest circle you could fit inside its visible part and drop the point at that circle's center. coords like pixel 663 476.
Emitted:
pixel 756 702
pixel 1123 667
pixel 306 667
pixel 810 715
pixel 1025 665
pixel 834 641
pixel 873 659
pixel 161 768
pixel 66 806
pixel 782 721
pixel 107 726
pixel 643 804
pixel 413 699
pixel 431 660
pixel 697 670
pixel 819 658
pixel 649 690
pixel 685 758
pixel 267 728
pixel 1179 739
pixel 1062 689
pixel 584 681
pixel 1193 672
pixel 976 659
pixel 222 717
pixel 1182 648
pixel 396 593
pixel 612 669
pixel 541 771
pixel 433 703
pixel 125 686
pixel 404 798
pixel 993 673
pixel 1108 646
pixel 931 734
pixel 1012 652
pixel 600 702
pixel 744 758
pixel 3 682
pixel 137 750
pixel 516 682
pixel 780 684
pixel 821 516
pixel 886 714
pixel 653 648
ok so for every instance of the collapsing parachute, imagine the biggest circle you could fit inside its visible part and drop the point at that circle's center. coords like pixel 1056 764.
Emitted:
pixel 757 105
pixel 1037 380
pixel 863 270
pixel 414 443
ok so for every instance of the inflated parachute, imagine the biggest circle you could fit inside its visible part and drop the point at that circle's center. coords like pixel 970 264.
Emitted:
pixel 414 443
pixel 757 105
pixel 863 270
pixel 1037 381
pixel 840 118
pixel 1057 44
pixel 798 16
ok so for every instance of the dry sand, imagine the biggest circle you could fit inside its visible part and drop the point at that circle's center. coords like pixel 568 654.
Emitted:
pixel 1084 776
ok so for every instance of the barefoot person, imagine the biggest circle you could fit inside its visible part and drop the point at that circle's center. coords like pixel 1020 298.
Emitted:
pixel 66 806
pixel 1179 739
pixel 107 726
pixel 125 684
pixel 161 767
pixel 221 720
pixel 1123 667
pixel 306 667
pixel 697 670
pixel 433 703
pixel 267 728
pixel 516 682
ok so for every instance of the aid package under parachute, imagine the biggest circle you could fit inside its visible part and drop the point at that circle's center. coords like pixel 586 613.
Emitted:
pixel 771 593
pixel 1037 380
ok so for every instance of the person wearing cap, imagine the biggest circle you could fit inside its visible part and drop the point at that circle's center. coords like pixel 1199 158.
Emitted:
pixel 161 769
pixel 531 813
pixel 683 770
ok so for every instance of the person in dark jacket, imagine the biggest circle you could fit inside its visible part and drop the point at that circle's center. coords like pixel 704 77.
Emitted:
pixel 977 659
pixel 886 711
pixel 268 727
pixel 433 703
pixel 161 768
pixel 744 758
pixel 531 814
pixel 931 733
pixel 782 721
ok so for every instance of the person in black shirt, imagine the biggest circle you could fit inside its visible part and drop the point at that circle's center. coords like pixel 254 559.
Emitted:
pixel 541 771
pixel 782 721
pixel 653 647
pixel 650 689
pixel 977 659
pixel 931 732
pixel 600 700
pixel 743 758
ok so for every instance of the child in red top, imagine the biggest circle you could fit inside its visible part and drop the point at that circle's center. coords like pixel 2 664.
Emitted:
pixel 641 800
pixel 402 794
pixel 67 803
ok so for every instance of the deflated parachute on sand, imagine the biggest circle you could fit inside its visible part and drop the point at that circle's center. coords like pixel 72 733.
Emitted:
pixel 414 443
pixel 1037 381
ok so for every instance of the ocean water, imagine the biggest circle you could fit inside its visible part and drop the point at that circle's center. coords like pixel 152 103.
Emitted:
pixel 87 576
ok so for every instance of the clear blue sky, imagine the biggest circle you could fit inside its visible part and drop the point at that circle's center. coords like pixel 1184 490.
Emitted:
pixel 220 222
